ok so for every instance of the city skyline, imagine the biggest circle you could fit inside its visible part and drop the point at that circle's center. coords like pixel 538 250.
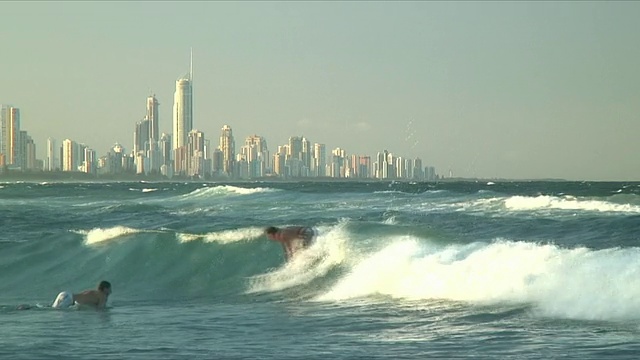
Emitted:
pixel 198 158
pixel 487 90
pixel 191 154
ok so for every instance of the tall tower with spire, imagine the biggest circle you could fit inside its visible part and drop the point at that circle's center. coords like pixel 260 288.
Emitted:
pixel 182 116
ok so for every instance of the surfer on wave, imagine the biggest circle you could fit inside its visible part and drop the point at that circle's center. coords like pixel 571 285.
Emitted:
pixel 292 238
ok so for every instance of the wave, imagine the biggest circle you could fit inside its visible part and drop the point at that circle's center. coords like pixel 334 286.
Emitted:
pixel 144 190
pixel 328 251
pixel 224 237
pixel 525 203
pixel 567 283
pixel 100 235
pixel 541 204
pixel 348 261
pixel 207 192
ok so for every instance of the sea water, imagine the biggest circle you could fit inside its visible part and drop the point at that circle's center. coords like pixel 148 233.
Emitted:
pixel 498 270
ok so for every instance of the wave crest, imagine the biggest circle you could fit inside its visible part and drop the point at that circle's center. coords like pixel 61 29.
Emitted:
pixel 224 237
pixel 206 192
pixel 523 203
pixel 567 283
pixel 100 235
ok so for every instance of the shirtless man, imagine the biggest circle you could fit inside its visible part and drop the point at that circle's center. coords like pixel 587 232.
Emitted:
pixel 293 238
pixel 97 298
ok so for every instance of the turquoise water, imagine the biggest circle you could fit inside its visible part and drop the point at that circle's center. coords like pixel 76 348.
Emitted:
pixel 399 270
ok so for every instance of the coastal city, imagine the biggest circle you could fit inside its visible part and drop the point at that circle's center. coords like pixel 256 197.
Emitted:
pixel 187 153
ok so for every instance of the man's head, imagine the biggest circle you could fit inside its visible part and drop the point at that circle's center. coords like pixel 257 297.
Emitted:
pixel 105 287
pixel 270 230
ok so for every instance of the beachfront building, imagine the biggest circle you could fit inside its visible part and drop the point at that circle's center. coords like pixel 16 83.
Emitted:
pixel 182 119
pixel 256 156
pixel 227 146
pixel 10 135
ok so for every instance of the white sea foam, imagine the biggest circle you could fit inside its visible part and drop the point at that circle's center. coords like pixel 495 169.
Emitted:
pixel 143 190
pixel 100 235
pixel 391 220
pixel 390 192
pixel 328 250
pixel 206 192
pixel 524 203
pixel 224 237
pixel 567 283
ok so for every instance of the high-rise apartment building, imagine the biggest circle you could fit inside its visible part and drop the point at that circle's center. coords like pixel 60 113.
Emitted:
pixel 165 150
pixel 10 131
pixel 295 148
pixel 116 159
pixel 338 163
pixel 227 146
pixel 141 138
pixel 217 161
pixel 319 159
pixel 28 151
pixel 256 155
pixel 89 165
pixel 408 173
pixel 381 164
pixel 51 161
pixel 364 167
pixel 152 116
pixel 69 155
pixel 306 155
pixel 182 118
pixel 195 153
pixel 418 172
pixel 390 166
pixel 354 161
pixel 279 163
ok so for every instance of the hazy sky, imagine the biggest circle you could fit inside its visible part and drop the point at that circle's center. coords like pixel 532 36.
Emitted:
pixel 482 89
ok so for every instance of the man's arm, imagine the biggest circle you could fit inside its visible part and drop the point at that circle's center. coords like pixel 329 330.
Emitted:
pixel 286 246
pixel 102 301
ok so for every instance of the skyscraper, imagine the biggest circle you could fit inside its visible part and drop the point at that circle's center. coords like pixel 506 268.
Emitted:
pixel 227 146
pixel 337 163
pixel 10 134
pixel 364 167
pixel 195 153
pixel 69 155
pixel 320 159
pixel 182 117
pixel 90 163
pixel 418 172
pixel 50 163
pixel 381 165
pixel 256 154
pixel 141 137
pixel 27 151
pixel 306 156
pixel 165 150
pixel 152 116
pixel 295 147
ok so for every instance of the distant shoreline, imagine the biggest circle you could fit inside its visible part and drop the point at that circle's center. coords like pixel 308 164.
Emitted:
pixel 67 176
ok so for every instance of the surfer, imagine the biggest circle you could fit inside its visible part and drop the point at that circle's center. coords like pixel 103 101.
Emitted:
pixel 292 238
pixel 93 297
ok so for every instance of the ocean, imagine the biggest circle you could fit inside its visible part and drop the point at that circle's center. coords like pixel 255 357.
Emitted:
pixel 399 270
